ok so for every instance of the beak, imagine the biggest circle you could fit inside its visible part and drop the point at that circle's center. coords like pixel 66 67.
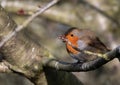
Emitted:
pixel 63 38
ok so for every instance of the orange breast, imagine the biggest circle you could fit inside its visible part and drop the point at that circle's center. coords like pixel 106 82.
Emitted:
pixel 71 49
pixel 73 40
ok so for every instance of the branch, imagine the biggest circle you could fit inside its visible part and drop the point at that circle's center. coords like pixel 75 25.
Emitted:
pixel 20 27
pixel 87 66
pixel 71 17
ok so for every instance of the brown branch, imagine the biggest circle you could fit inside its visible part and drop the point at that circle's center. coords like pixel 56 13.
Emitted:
pixel 57 13
pixel 25 23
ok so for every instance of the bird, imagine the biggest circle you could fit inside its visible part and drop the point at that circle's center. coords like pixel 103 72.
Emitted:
pixel 79 40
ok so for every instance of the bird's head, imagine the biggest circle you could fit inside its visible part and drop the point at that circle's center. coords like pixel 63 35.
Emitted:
pixel 71 36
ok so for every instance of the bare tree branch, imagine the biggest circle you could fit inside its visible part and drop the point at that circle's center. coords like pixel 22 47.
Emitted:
pixel 25 23
pixel 59 14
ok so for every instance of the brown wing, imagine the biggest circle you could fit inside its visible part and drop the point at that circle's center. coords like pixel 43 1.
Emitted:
pixel 95 46
pixel 98 45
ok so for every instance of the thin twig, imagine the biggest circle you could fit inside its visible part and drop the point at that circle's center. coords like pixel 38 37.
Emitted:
pixel 20 27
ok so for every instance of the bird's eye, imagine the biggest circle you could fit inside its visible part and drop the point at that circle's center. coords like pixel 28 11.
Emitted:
pixel 71 35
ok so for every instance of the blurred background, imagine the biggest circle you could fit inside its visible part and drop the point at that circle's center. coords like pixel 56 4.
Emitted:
pixel 101 16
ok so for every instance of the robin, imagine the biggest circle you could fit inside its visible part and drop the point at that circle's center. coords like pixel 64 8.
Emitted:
pixel 79 40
